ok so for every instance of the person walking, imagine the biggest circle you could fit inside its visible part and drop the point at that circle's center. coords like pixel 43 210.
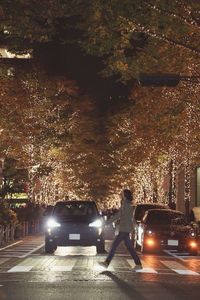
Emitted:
pixel 125 215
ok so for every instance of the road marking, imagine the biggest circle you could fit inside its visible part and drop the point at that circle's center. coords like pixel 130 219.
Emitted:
pixel 20 269
pixel 188 257
pixel 75 264
pixel 27 246
pixel 61 268
pixel 100 268
pixel 145 268
pixel 178 268
pixel 33 250
pixel 3 260
pixel 173 255
pixel 19 250
pixel 1 249
pixel 186 272
pixel 12 254
pixel 61 265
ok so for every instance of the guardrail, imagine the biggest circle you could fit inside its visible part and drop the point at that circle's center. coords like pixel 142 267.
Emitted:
pixel 11 232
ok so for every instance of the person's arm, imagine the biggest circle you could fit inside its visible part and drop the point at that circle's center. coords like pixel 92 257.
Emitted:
pixel 114 218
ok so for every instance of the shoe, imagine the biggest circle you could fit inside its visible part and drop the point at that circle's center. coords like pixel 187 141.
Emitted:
pixel 137 267
pixel 104 264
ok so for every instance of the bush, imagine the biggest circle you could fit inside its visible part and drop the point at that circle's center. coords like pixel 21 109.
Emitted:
pixel 7 215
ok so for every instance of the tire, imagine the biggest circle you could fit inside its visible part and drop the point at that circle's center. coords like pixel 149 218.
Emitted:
pixel 50 247
pixel 101 247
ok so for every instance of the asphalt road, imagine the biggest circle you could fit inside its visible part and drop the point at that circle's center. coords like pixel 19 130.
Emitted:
pixel 26 272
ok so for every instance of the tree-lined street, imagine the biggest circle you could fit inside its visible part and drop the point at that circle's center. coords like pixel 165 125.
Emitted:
pixel 75 99
pixel 98 97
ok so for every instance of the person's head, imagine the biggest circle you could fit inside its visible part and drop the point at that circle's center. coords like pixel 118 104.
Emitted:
pixel 127 195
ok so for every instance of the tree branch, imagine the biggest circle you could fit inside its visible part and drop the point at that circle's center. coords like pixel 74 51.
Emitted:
pixel 164 38
pixel 188 21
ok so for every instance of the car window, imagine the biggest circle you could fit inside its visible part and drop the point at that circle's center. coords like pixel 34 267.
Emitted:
pixel 75 209
pixel 48 211
pixel 141 210
pixel 164 218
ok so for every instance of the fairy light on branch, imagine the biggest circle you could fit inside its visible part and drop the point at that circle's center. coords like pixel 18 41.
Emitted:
pixel 187 161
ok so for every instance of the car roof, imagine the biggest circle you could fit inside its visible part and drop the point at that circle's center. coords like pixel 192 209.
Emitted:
pixel 76 202
pixel 152 204
pixel 148 206
pixel 165 211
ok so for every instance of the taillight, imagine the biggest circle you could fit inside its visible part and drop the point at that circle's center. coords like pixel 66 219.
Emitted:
pixel 193 244
pixel 149 242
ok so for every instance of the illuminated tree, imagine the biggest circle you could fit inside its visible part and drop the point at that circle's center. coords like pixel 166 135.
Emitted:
pixel 129 36
pixel 75 145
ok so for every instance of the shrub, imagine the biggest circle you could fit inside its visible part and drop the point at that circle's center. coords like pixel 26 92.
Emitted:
pixel 7 215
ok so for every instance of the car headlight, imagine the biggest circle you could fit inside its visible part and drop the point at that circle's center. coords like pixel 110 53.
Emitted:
pixel 97 223
pixel 52 223
pixel 150 232
pixel 193 233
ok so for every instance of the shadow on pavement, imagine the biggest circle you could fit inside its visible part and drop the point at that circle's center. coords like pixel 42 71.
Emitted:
pixel 126 288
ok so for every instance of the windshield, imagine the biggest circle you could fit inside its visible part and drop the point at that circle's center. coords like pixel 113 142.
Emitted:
pixel 69 210
pixel 141 209
pixel 165 218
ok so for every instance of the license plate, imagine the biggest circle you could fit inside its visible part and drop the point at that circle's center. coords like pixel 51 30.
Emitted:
pixel 172 242
pixel 74 236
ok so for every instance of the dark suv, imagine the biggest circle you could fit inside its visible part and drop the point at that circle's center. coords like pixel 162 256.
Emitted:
pixel 74 223
pixel 141 209
pixel 166 229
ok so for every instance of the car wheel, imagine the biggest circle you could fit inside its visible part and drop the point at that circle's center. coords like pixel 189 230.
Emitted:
pixel 50 247
pixel 100 247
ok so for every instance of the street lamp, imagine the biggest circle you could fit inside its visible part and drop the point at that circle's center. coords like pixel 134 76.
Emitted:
pixel 165 79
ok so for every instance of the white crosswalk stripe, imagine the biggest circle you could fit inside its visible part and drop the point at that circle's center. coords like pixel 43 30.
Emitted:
pixel 99 268
pixel 178 268
pixel 60 264
pixel 61 268
pixel 20 269
pixel 22 250
pixel 145 269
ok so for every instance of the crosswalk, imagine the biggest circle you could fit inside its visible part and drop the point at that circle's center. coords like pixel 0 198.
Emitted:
pixel 29 256
pixel 22 249
pixel 91 264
